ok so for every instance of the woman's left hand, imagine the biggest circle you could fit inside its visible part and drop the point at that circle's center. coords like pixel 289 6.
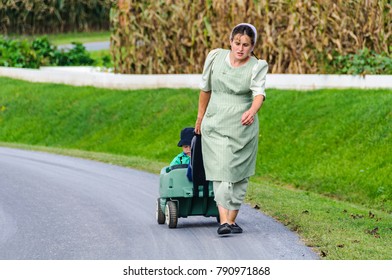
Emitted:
pixel 248 118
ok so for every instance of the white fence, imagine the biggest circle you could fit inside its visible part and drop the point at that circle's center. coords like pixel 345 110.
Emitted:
pixel 89 76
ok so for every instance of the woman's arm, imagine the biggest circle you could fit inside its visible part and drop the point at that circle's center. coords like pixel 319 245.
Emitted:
pixel 204 98
pixel 248 116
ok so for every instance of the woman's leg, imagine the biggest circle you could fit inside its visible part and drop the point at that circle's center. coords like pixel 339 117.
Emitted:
pixel 232 215
pixel 221 198
pixel 223 214
pixel 229 197
pixel 227 216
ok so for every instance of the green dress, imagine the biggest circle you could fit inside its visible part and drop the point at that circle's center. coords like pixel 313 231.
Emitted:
pixel 230 148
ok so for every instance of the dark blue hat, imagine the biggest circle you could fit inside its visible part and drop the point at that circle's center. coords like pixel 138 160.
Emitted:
pixel 186 136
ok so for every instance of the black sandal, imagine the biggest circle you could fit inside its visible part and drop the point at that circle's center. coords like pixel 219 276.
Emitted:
pixel 235 228
pixel 224 229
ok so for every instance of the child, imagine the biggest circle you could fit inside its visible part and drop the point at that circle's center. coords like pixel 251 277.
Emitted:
pixel 185 142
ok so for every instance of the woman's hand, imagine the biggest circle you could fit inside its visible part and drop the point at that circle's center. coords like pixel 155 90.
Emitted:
pixel 198 125
pixel 204 99
pixel 248 117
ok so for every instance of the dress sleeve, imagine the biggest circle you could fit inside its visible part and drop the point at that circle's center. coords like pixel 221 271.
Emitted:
pixel 259 72
pixel 205 84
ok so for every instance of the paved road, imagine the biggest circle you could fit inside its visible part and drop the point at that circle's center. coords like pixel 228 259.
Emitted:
pixel 58 207
pixel 93 46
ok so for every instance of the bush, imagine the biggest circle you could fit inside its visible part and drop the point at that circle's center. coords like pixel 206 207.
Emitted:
pixel 363 62
pixel 46 52
pixel 76 56
pixel 15 53
pixel 39 52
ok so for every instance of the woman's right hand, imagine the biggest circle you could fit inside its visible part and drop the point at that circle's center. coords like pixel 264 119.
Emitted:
pixel 198 125
pixel 204 98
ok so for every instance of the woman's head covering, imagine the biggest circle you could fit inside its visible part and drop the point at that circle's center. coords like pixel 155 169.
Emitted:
pixel 247 24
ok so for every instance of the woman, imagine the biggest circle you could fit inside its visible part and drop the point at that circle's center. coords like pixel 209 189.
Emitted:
pixel 232 92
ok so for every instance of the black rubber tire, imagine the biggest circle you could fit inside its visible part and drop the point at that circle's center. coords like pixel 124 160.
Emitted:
pixel 171 214
pixel 159 213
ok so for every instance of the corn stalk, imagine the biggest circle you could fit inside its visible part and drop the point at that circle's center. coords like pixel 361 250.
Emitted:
pixel 51 16
pixel 299 36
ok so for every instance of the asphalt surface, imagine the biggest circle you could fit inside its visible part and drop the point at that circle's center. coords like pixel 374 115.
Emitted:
pixel 93 46
pixel 64 208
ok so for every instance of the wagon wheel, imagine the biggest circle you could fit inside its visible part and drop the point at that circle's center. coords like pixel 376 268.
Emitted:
pixel 159 213
pixel 171 214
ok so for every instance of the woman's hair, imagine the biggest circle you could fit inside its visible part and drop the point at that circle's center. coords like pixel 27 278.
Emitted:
pixel 244 30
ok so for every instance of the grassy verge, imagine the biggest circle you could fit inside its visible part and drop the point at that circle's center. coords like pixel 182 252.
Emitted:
pixel 82 37
pixel 68 38
pixel 307 173
pixel 102 58
pixel 335 229
pixel 334 142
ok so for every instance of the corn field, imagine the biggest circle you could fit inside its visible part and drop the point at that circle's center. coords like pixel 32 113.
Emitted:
pixel 52 16
pixel 299 36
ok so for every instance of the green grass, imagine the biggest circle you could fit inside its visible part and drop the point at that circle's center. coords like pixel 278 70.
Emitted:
pixel 68 38
pixel 102 58
pixel 335 229
pixel 324 159
pixel 82 37
pixel 333 142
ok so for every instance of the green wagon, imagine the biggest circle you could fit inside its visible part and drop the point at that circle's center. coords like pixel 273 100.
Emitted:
pixel 178 198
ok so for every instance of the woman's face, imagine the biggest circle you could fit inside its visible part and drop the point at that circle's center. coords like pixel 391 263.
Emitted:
pixel 241 46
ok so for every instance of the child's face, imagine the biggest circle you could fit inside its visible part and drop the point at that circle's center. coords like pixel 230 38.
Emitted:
pixel 186 149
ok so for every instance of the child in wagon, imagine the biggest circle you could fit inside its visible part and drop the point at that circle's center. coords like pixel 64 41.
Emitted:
pixel 184 157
